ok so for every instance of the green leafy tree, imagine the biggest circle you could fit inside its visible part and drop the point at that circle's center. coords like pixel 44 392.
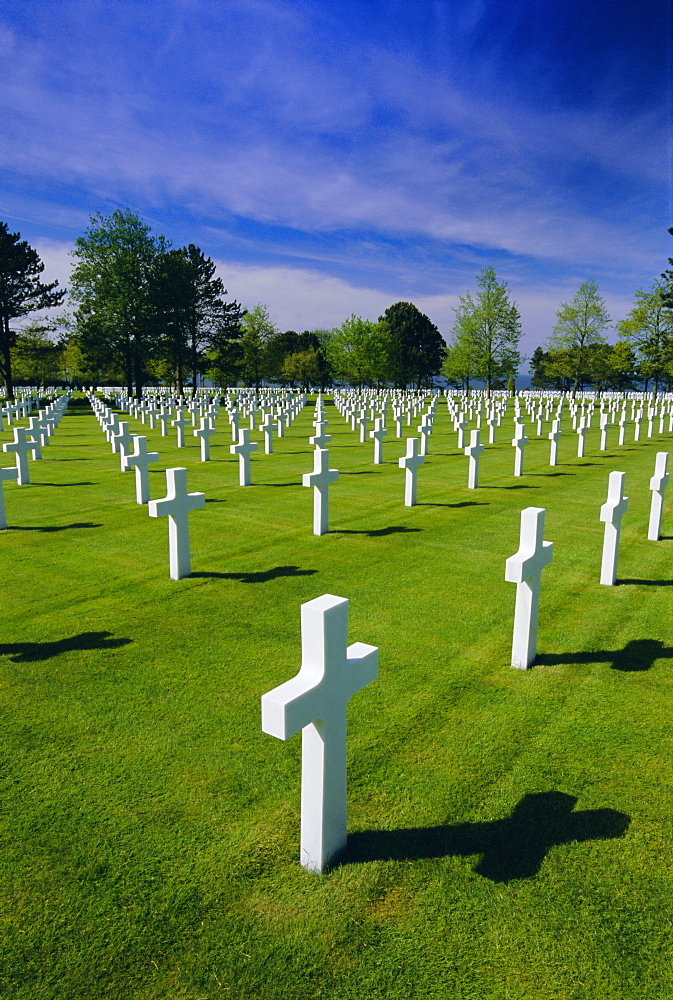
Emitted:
pixel 35 356
pixel 113 284
pixel 580 324
pixel 190 309
pixel 21 292
pixel 302 368
pixel 487 331
pixel 648 330
pixel 357 352
pixel 459 367
pixel 414 344
pixel 257 331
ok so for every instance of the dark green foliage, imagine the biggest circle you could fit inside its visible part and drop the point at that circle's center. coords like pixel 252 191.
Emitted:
pixel 21 292
pixel 414 345
pixel 113 285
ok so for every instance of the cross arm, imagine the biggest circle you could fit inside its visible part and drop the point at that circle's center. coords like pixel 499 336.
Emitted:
pixel 363 664
pixel 290 707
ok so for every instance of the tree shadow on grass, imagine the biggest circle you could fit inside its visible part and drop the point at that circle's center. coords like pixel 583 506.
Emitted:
pixel 637 655
pixel 31 652
pixel 55 527
pixel 462 503
pixel 394 529
pixel 510 848
pixel 262 577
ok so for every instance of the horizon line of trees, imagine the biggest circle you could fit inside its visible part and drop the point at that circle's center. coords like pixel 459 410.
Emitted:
pixel 148 313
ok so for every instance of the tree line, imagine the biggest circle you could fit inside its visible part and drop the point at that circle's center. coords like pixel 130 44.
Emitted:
pixel 145 312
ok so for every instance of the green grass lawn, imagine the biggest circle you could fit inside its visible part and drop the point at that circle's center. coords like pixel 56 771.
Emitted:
pixel 510 832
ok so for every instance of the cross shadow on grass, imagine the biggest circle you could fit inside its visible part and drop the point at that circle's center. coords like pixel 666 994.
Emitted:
pixel 394 529
pixel 31 652
pixel 517 486
pixel 645 583
pixel 56 527
pixel 462 503
pixel 279 484
pixel 65 484
pixel 363 472
pixel 510 848
pixel 262 577
pixel 638 654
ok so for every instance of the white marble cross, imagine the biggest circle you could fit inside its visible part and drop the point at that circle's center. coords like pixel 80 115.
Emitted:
pixel 612 512
pixel 519 442
pixel 180 423
pixel 581 434
pixel 234 417
pixel 243 449
pixel 525 569
pixel 266 427
pixel 658 484
pixel 320 439
pixel 425 430
pixel 176 505
pixel 35 432
pixel 140 459
pixel 554 435
pixel 21 446
pixel 473 451
pixel 5 475
pixel 315 701
pixel 122 441
pixel 410 462
pixel 164 419
pixel 378 435
pixel 604 424
pixel 320 479
pixel 204 434
pixel 460 425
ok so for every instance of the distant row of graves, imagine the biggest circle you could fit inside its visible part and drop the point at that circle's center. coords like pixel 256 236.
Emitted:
pixel 331 672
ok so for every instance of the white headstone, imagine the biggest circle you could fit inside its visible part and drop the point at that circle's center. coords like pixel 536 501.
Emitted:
pixel 525 569
pixel 21 447
pixel 320 480
pixel 410 462
pixel 612 512
pixel 204 434
pixel 5 475
pixel 473 451
pixel 139 460
pixel 243 449
pixel 554 435
pixel 658 484
pixel 176 505
pixel 378 435
pixel 180 423
pixel 519 442
pixel 315 701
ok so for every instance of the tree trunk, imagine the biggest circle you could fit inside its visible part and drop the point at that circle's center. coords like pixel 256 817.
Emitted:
pixel 7 358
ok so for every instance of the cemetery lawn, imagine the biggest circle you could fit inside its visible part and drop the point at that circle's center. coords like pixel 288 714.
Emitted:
pixel 510 832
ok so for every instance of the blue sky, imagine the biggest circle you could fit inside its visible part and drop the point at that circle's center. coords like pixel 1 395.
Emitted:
pixel 336 156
